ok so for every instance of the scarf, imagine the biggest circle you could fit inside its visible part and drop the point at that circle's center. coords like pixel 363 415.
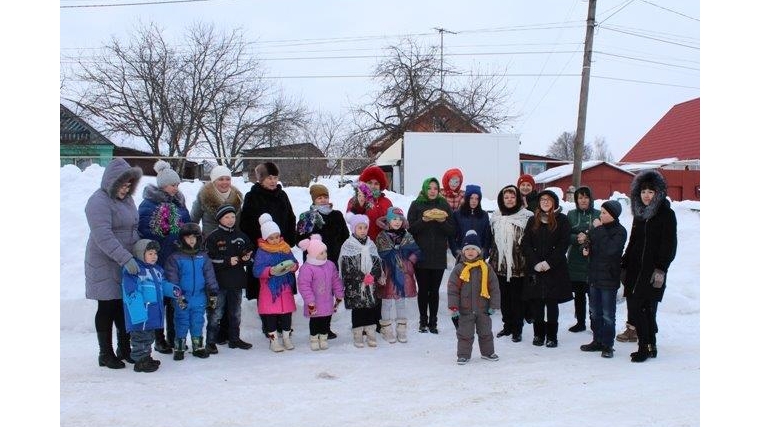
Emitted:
pixel 395 246
pixel 282 247
pixel 352 246
pixel 465 275
pixel 281 252
pixel 508 231
pixel 312 220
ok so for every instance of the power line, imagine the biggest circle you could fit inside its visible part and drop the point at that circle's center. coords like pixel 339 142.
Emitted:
pixel 651 38
pixel 646 60
pixel 670 10
pixel 615 12
pixel 147 3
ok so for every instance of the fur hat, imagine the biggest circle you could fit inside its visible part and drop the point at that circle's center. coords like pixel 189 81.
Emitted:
pixel 394 212
pixel 317 190
pixel 265 169
pixel 552 194
pixel 190 228
pixel 355 219
pixel 526 178
pixel 268 226
pixel 218 172
pixel 313 246
pixel 471 241
pixel 144 245
pixel 374 172
pixel 224 210
pixel 166 176
pixel 613 207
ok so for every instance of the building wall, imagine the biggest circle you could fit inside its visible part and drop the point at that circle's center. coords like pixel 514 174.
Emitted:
pixel 682 184
pixel 603 181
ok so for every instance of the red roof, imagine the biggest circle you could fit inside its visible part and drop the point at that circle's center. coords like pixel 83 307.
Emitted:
pixel 675 135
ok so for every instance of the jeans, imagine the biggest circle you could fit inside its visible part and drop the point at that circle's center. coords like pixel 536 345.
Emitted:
pixel 227 301
pixel 140 343
pixel 602 309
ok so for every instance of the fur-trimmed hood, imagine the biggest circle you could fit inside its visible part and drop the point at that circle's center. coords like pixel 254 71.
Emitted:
pixel 117 173
pixel 638 209
pixel 211 201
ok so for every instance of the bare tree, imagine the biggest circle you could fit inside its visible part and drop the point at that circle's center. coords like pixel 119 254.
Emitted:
pixel 601 151
pixel 563 148
pixel 484 98
pixel 334 136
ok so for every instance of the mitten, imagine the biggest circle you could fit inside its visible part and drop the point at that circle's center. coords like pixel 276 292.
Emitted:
pixel 658 278
pixel 368 279
pixel 131 266
pixel 212 302
pixel 454 312
pixel 312 309
pixel 336 305
pixel 544 266
pixel 181 302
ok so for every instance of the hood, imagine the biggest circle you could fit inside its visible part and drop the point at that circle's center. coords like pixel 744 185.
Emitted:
pixel 116 174
pixel 447 176
pixel 650 178
pixel 500 201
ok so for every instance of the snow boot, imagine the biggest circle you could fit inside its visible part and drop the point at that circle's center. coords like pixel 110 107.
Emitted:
pixel 211 348
pixel 179 348
pixel 161 345
pixel 386 330
pixel 198 349
pixel 106 357
pixel 401 330
pixel 238 343
pixel 274 342
pixel 314 342
pixel 358 337
pixel 371 335
pixel 628 335
pixel 145 365
pixel 286 341
pixel 578 327
pixel 123 349
pixel 592 346
pixel 643 354
pixel 323 341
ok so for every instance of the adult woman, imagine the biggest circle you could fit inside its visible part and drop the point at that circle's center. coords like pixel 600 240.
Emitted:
pixel 580 219
pixel 528 195
pixel 547 236
pixel 452 191
pixel 112 217
pixel 471 216
pixel 507 259
pixel 647 257
pixel 162 212
pixel 215 193
pixel 375 204
pixel 431 223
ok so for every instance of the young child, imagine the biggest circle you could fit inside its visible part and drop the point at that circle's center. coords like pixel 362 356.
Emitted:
pixel 190 268
pixel 230 251
pixel 143 296
pixel 319 285
pixel 361 270
pixel 399 252
pixel 606 248
pixel 275 265
pixel 473 296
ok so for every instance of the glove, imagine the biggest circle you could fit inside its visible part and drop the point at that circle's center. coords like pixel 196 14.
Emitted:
pixel 132 267
pixel 312 309
pixel 212 302
pixel 336 305
pixel 622 275
pixel 490 311
pixel 454 312
pixel 542 266
pixel 181 302
pixel 368 279
pixel 658 278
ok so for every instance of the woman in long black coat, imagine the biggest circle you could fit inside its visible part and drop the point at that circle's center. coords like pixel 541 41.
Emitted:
pixel 547 237
pixel 647 257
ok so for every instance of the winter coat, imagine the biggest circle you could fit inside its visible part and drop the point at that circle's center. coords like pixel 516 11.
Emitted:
pixel 333 231
pixel 467 219
pixel 532 201
pixel 374 210
pixel 431 236
pixel 605 251
pixel 357 294
pixel 580 222
pixel 191 270
pixel 113 231
pixel 465 296
pixel 161 216
pixel 143 295
pixel 223 244
pixel 273 302
pixel 319 285
pixel 399 253
pixel 550 246
pixel 506 249
pixel 653 239
pixel 208 202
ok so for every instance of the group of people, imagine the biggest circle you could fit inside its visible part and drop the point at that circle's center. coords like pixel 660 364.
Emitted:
pixel 161 266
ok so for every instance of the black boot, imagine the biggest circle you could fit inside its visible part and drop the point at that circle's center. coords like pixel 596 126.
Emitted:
pixel 423 324
pixel 107 357
pixel 578 327
pixel 123 349
pixel 551 334
pixel 161 345
pixel 592 346
pixel 179 348
pixel 145 365
pixel 504 332
pixel 643 353
pixel 539 332
pixel 198 349
pixel 433 324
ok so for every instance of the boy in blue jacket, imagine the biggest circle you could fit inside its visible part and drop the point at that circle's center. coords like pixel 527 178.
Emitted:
pixel 143 295
pixel 190 268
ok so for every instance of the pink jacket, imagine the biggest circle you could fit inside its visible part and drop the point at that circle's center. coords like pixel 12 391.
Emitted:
pixel 285 303
pixel 320 285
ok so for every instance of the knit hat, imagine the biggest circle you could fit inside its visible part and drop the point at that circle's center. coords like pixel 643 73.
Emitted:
pixel 313 245
pixel 471 189
pixel 223 210
pixel 142 246
pixel 166 176
pixel 374 172
pixel 317 190
pixel 526 178
pixel 219 171
pixel 471 241
pixel 355 219
pixel 394 212
pixel 613 207
pixel 265 169
pixel 268 226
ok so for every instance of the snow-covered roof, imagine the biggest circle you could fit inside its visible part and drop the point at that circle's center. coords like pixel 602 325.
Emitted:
pixel 652 164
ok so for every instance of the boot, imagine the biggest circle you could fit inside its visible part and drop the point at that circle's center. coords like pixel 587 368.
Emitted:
pixel 551 334
pixel 539 333
pixel 578 327
pixel 628 335
pixel 592 346
pixel 161 345
pixel 607 352
pixel 505 332
pixel 401 330
pixel 371 335
pixel 145 365
pixel 179 348
pixel 314 342
pixel 358 337
pixel 274 342
pixel 106 357
pixel 642 354
pixel 238 343
pixel 286 341
pixel 433 325
pixel 211 348
pixel 123 349
pixel 386 330
pixel 423 324
pixel 323 341
pixel 198 349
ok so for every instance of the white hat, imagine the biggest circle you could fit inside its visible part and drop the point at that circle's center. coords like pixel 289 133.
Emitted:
pixel 166 176
pixel 218 172
pixel 268 227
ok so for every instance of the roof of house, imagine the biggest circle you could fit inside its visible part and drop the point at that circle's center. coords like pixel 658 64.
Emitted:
pixel 675 135
pixel 75 130
pixel 296 150
pixel 554 174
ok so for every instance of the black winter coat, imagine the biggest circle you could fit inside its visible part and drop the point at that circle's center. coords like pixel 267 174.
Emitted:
pixel 467 219
pixel 333 233
pixel 550 246
pixel 223 244
pixel 431 236
pixel 606 249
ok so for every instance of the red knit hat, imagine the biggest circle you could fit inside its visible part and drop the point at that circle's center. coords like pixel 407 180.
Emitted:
pixel 526 178
pixel 374 172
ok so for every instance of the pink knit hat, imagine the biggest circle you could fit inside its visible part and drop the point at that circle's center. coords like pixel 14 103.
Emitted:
pixel 355 219
pixel 313 245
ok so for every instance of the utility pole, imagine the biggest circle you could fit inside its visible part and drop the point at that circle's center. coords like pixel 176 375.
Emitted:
pixel 441 31
pixel 580 130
